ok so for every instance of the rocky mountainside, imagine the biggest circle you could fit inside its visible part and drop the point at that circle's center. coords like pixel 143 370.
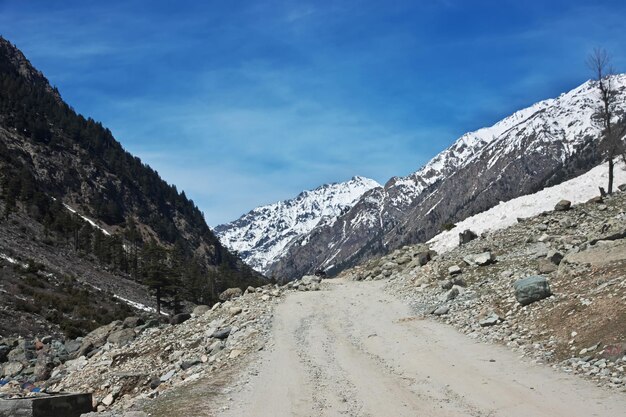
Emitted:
pixel 264 234
pixel 550 287
pixel 86 225
pixel 541 145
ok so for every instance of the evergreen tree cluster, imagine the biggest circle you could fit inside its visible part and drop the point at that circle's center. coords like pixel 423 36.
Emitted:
pixel 132 196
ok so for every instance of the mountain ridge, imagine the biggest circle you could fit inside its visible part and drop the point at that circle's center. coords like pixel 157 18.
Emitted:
pixel 263 234
pixel 543 144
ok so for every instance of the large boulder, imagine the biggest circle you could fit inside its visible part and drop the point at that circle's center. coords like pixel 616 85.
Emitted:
pixel 531 289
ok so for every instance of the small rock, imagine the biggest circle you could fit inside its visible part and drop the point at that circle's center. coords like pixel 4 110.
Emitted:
pixel 221 334
pixel 442 310
pixel 200 310
pixel 490 320
pixel 454 270
pixel 180 318
pixel 563 205
pixel 168 375
pixel 108 400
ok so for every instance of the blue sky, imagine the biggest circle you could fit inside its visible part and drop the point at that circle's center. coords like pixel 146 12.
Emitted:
pixel 242 103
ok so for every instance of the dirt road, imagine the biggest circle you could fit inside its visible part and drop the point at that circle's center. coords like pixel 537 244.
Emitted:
pixel 355 351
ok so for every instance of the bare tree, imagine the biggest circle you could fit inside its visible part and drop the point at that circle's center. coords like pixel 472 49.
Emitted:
pixel 611 142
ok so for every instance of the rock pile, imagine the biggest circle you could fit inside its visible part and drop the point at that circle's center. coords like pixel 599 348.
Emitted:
pixel 128 362
pixel 552 287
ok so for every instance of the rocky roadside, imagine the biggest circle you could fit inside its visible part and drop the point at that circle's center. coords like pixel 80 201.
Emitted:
pixel 552 287
pixel 125 365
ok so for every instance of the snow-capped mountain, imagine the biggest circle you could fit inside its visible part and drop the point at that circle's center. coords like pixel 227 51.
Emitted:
pixel 544 144
pixel 265 233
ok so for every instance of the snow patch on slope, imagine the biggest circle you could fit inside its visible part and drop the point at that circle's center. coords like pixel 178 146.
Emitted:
pixel 505 214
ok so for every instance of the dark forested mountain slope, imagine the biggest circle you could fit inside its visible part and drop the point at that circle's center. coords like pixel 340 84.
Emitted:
pixel 74 205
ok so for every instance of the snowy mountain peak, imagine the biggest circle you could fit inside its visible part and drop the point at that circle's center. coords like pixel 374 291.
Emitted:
pixel 265 232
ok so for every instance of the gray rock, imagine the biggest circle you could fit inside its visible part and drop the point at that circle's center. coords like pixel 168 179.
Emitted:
pixel 201 309
pixel 121 337
pixel 531 289
pixel 188 364
pixel 442 310
pixel 230 294
pixel 452 294
pixel 546 267
pixel 621 187
pixel 11 369
pixel 155 382
pixel 167 376
pixel 180 318
pixel 454 270
pixel 480 259
pixel 307 279
pixel 221 334
pixel 490 320
pixel 423 258
pixel 563 205
pixel 132 322
pixel 555 257
pixel 467 236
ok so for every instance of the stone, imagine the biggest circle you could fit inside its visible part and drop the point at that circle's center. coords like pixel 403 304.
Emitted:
pixel 452 294
pixel 12 369
pixel 122 337
pixel 480 259
pixel 200 310
pixel 555 257
pixel 155 382
pixel 308 279
pixel 215 346
pixel 442 310
pixel 234 354
pixel 235 310
pixel 180 318
pixel 467 236
pixel 621 187
pixel 4 351
pixel 563 205
pixel 423 258
pixel 230 293
pixel 490 320
pixel 108 400
pixel 531 289
pixel 188 364
pixel 454 270
pixel 167 376
pixel 221 334
pixel 132 322
pixel 596 200
pixel 546 267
